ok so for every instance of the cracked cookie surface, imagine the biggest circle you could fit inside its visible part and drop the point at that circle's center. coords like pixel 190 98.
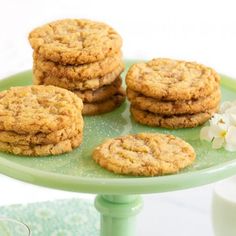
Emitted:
pixel 144 154
pixel 75 41
pixel 167 79
pixel 34 109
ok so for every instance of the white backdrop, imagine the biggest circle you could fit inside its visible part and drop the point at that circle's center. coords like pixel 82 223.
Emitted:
pixel 203 31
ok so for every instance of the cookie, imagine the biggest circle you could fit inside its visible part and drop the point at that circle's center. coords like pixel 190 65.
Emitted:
pixel 144 154
pixel 174 107
pixel 75 41
pixel 73 84
pixel 167 79
pixel 42 150
pixel 100 94
pixel 34 109
pixel 43 138
pixel 105 106
pixel 83 72
pixel 172 122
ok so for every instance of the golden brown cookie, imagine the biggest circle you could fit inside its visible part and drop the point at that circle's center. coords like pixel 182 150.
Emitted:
pixel 101 94
pixel 72 84
pixel 144 154
pixel 167 79
pixel 83 72
pixel 42 150
pixel 75 41
pixel 171 121
pixel 105 106
pixel 174 107
pixel 43 138
pixel 34 109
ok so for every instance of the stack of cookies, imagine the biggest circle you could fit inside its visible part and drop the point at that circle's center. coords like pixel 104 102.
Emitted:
pixel 82 56
pixel 172 94
pixel 40 120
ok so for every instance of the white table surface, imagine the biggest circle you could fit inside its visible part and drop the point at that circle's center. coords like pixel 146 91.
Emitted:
pixel 202 31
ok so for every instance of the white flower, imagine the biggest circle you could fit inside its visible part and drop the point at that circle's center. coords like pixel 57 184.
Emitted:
pixel 232 119
pixel 220 119
pixel 205 134
pixel 222 129
pixel 215 134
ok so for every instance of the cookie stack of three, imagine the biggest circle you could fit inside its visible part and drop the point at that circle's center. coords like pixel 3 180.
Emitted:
pixel 172 94
pixel 82 56
pixel 40 120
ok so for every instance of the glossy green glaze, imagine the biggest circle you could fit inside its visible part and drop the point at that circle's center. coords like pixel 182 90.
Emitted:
pixel 76 171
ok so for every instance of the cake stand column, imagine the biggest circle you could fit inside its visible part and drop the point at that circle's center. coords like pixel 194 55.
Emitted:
pixel 118 213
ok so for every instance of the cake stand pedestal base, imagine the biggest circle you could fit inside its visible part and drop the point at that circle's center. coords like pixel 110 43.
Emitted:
pixel 118 214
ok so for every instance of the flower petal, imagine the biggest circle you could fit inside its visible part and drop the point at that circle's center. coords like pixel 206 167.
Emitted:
pixel 230 147
pixel 230 137
pixel 217 143
pixel 205 134
pixel 222 129
pixel 217 130
pixel 221 120
pixel 216 119
pixel 232 119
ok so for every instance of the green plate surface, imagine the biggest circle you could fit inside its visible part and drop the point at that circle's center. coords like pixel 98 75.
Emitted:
pixel 76 171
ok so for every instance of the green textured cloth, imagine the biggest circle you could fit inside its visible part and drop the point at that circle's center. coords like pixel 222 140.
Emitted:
pixel 73 217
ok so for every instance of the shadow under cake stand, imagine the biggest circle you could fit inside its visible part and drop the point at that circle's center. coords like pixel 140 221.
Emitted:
pixel 118 199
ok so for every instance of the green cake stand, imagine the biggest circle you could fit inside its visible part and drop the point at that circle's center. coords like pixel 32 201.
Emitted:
pixel 118 199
